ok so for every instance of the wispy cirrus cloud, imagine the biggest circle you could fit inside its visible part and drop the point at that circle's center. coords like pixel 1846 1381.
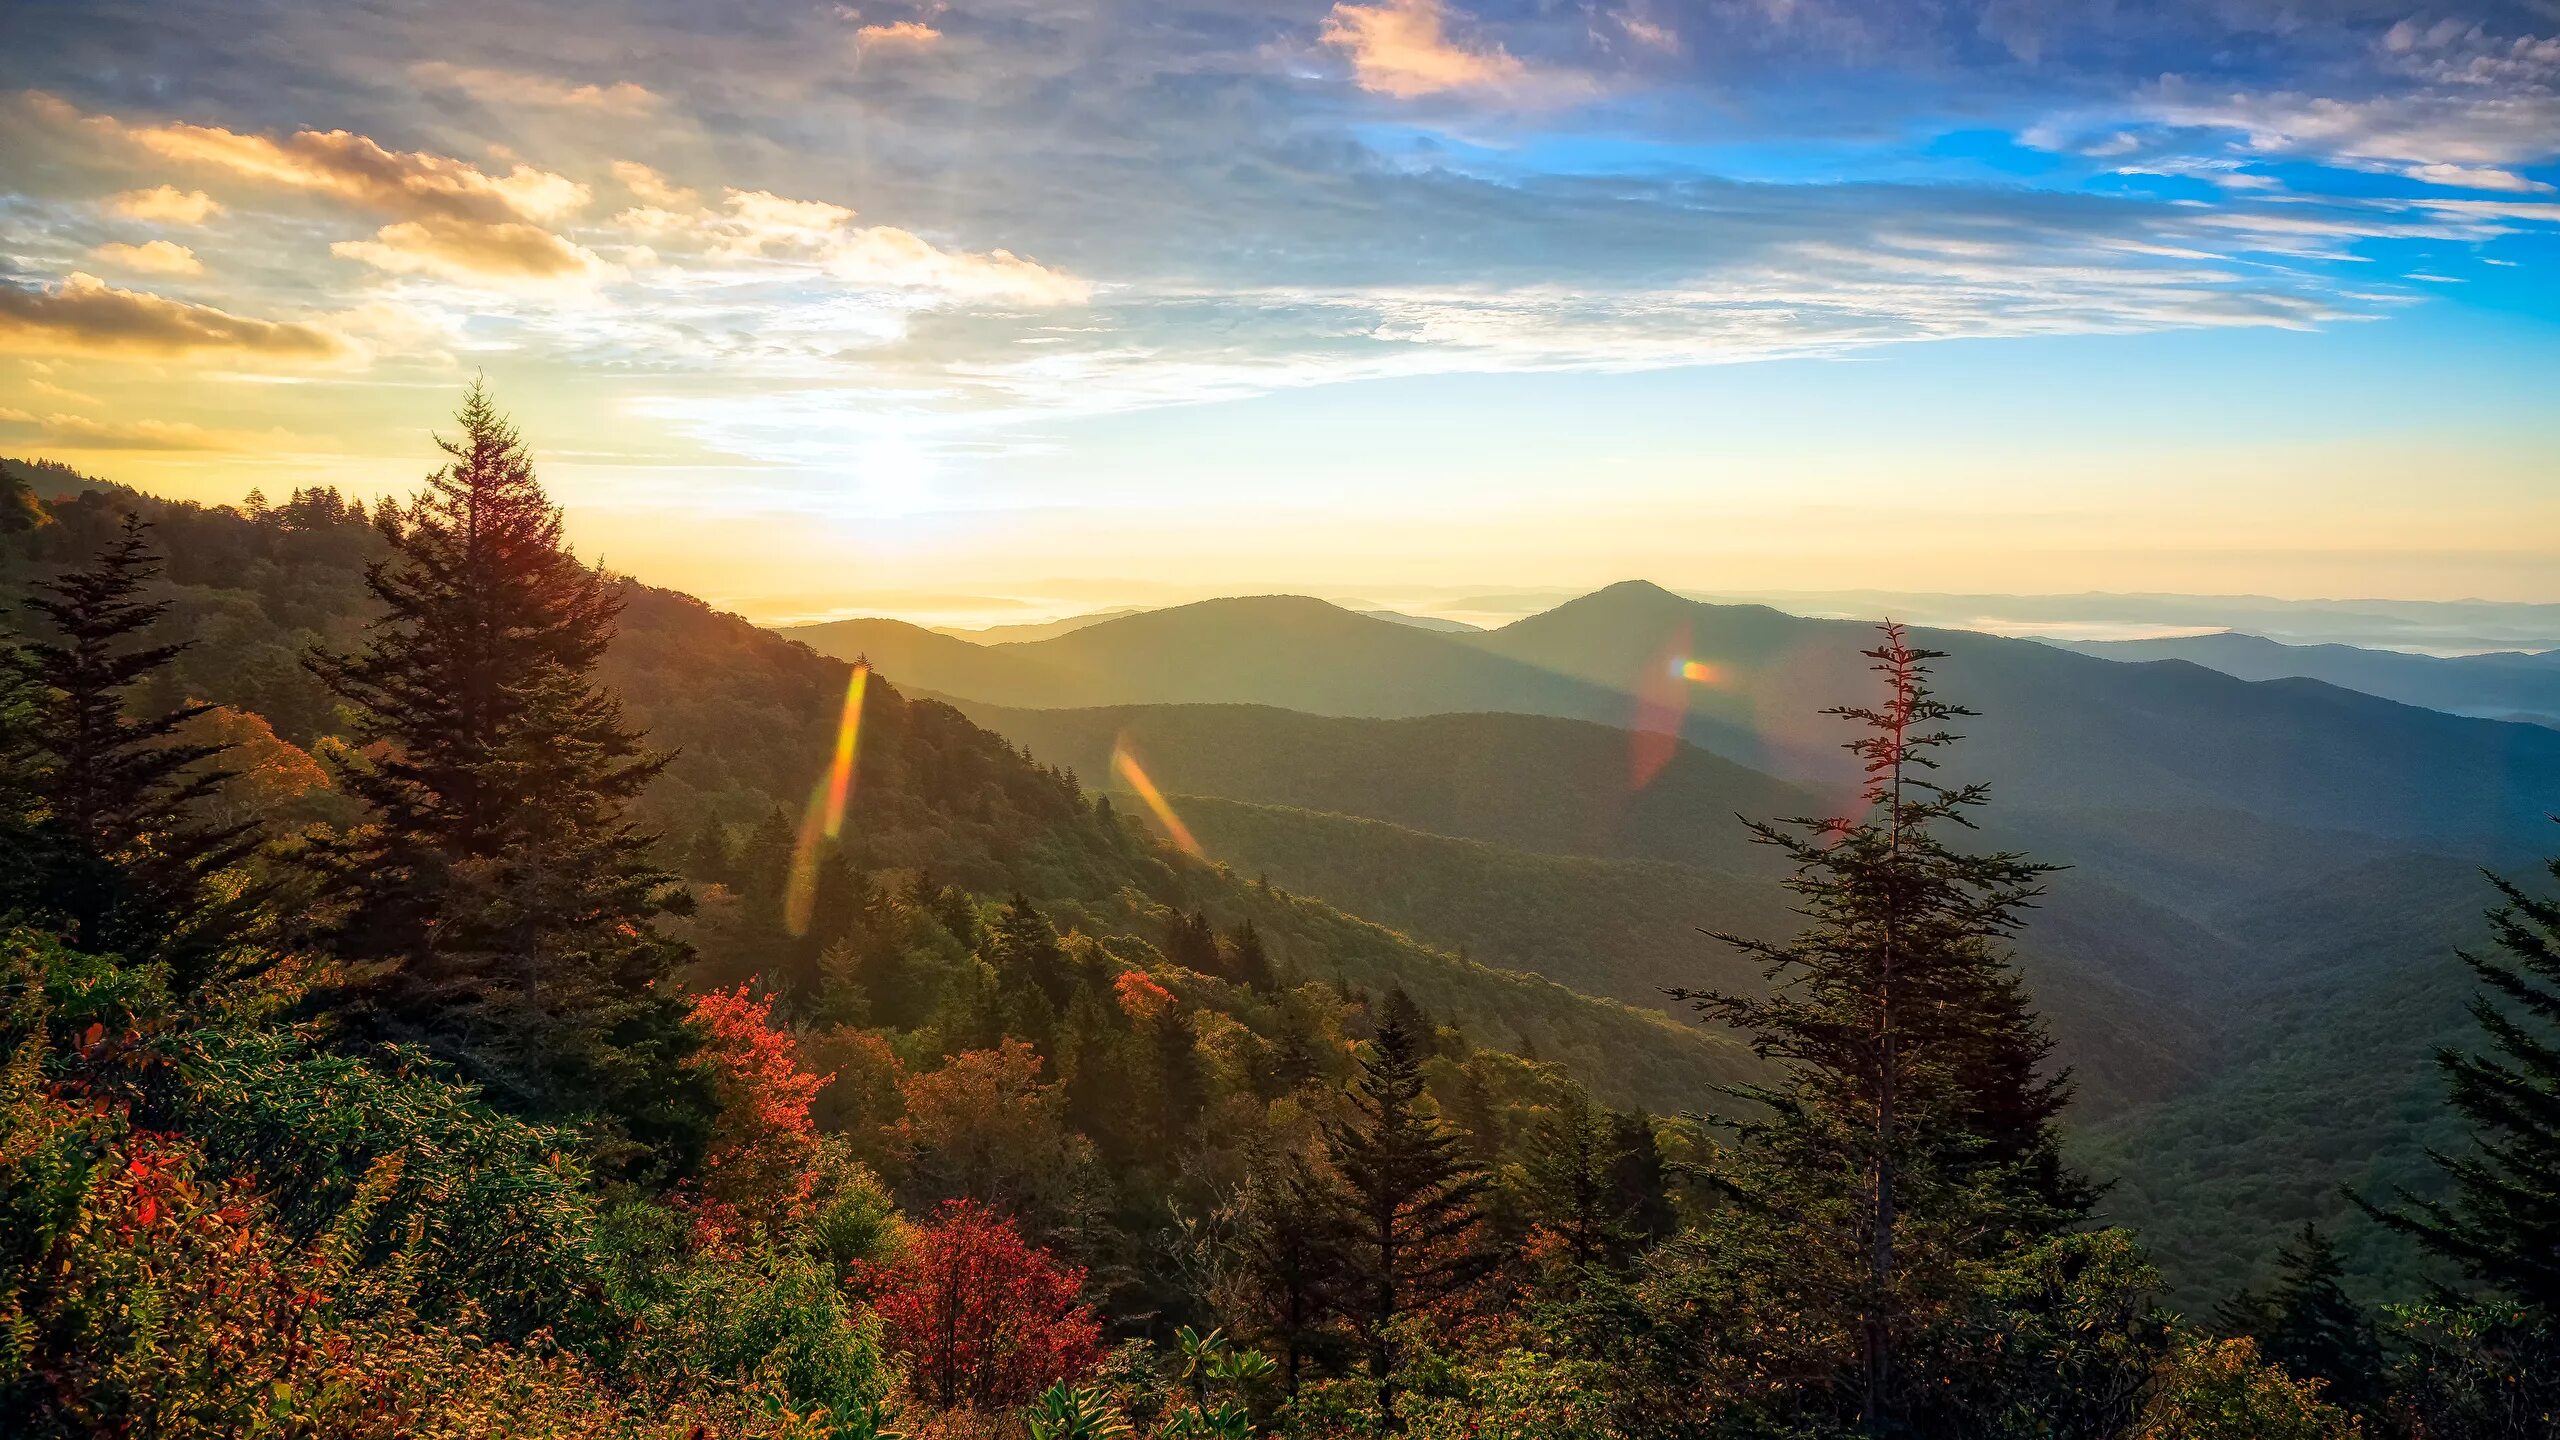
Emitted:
pixel 521 88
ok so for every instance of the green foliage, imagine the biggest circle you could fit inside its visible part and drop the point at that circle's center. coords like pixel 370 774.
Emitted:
pixel 1071 1412
pixel 2222 1390
pixel 2502 1221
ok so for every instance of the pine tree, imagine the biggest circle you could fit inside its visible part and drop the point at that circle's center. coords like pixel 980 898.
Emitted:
pixel 2502 1222
pixel 2308 1323
pixel 1910 1064
pixel 500 907
pixel 1639 1179
pixel 1412 1204
pixel 1572 1181
pixel 1181 1083
pixel 1294 1245
pixel 1251 964
pixel 113 848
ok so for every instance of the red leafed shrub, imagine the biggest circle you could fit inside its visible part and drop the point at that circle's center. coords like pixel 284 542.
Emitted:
pixel 987 1319
pixel 1141 998
pixel 760 1166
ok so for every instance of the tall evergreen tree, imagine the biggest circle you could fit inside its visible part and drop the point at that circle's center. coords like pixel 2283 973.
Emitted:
pixel 1295 1248
pixel 2308 1323
pixel 1910 1064
pixel 1413 1204
pixel 1640 1179
pixel 1572 1179
pixel 112 846
pixel 500 907
pixel 1251 963
pixel 2502 1221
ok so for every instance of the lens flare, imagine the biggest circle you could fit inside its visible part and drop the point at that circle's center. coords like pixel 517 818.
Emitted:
pixel 1125 765
pixel 1698 672
pixel 824 819
pixel 1662 706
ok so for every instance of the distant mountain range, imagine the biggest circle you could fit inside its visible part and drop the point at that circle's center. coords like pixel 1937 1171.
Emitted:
pixel 2502 685
pixel 2267 874
pixel 2059 731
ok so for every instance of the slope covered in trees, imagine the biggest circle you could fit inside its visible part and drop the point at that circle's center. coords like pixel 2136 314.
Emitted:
pixel 942 1099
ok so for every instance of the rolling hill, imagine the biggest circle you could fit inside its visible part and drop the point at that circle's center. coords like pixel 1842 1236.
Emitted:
pixel 2059 732
pixel 2501 685
pixel 752 717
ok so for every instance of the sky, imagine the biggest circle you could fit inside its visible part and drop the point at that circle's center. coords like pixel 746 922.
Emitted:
pixel 998 308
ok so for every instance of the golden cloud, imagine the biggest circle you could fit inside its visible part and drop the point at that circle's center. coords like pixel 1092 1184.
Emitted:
pixel 166 205
pixel 651 187
pixel 470 251
pixel 159 257
pixel 903 32
pixel 338 163
pixel 1403 48
pixel 86 315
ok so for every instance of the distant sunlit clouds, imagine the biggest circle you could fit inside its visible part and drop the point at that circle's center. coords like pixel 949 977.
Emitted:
pixel 919 273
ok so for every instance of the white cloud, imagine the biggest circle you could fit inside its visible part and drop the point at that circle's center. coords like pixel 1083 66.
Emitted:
pixel 760 225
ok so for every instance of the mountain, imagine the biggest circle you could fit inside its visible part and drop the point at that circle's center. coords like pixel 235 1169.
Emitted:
pixel 2492 686
pixel 1422 622
pixel 2059 732
pixel 1283 650
pixel 1038 630
pixel 1532 782
pixel 2441 627
pixel 2064 732
pixel 752 717
pixel 1520 838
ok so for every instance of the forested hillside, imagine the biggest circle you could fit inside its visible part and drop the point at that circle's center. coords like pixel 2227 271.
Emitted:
pixel 456 991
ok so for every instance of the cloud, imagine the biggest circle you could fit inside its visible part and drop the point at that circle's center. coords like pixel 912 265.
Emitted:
pixel 2475 177
pixel 760 225
pixel 166 205
pixel 157 257
pixel 2458 108
pixel 449 219
pixel 470 251
pixel 652 188
pixel 76 432
pixel 1403 48
pixel 518 88
pixel 86 315
pixel 904 32
pixel 354 169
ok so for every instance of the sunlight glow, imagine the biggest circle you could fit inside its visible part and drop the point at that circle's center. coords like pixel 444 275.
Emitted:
pixel 824 820
pixel 1125 765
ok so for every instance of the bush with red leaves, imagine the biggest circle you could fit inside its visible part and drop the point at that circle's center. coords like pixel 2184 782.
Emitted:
pixel 987 1319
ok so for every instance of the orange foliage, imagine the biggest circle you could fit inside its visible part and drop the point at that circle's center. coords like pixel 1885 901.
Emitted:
pixel 1141 998
pixel 761 1166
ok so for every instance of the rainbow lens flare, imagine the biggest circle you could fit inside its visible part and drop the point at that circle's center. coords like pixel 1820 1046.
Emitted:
pixel 1697 672
pixel 824 819
pixel 1126 766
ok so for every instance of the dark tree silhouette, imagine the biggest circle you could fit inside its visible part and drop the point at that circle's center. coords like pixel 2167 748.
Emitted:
pixel 1413 1205
pixel 113 847
pixel 500 906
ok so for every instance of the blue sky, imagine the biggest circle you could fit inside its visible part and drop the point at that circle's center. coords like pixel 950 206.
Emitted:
pixel 811 305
